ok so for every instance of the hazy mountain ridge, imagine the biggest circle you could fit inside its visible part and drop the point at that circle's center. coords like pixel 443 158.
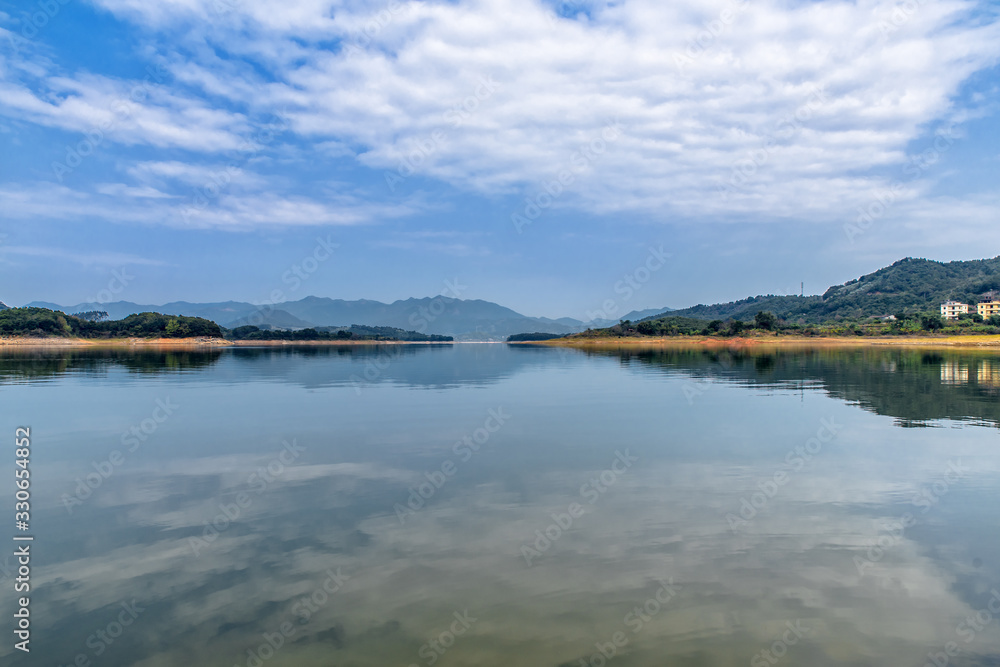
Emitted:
pixel 909 285
pixel 276 319
pixel 464 319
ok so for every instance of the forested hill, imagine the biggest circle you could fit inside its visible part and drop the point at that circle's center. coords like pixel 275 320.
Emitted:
pixel 45 322
pixel 908 286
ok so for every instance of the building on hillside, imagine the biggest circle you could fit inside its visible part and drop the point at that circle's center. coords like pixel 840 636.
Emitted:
pixel 950 310
pixel 989 308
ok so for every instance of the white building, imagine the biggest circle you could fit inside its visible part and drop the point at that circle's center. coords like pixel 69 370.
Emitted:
pixel 950 310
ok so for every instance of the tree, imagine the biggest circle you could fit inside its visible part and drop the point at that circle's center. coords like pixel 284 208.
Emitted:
pixel 932 323
pixel 765 320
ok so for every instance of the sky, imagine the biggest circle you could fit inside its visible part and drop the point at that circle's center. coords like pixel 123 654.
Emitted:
pixel 558 158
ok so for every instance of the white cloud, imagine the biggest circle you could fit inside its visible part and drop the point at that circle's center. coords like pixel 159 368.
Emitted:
pixel 698 90
pixel 119 111
pixel 88 258
pixel 727 109
pixel 123 190
pixel 194 175
pixel 236 211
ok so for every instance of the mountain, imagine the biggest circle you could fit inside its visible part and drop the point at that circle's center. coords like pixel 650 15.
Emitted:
pixel 274 319
pixel 3 306
pixel 909 285
pixel 787 307
pixel 637 315
pixel 462 319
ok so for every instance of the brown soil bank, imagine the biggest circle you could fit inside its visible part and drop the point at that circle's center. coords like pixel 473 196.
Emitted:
pixel 56 341
pixel 168 343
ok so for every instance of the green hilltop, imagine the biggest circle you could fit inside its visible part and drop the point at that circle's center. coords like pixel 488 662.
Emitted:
pixel 909 286
pixel 45 322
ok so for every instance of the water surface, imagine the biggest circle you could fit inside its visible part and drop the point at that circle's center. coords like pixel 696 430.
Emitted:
pixel 509 505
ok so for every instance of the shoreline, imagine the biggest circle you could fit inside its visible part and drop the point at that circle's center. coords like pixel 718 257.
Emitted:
pixel 21 342
pixel 85 343
pixel 951 342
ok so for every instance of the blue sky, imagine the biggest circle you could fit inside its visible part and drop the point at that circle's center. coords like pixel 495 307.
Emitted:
pixel 537 153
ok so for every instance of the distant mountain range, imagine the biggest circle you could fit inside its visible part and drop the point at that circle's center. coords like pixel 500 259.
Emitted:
pixel 462 319
pixel 909 285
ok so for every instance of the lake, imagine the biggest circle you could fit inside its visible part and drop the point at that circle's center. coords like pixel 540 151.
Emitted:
pixel 508 505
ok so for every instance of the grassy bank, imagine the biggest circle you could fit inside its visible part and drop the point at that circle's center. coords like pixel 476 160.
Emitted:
pixel 607 342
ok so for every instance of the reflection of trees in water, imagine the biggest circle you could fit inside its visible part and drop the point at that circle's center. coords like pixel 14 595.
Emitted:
pixel 915 386
pixel 42 363
pixel 331 351
pixel 48 362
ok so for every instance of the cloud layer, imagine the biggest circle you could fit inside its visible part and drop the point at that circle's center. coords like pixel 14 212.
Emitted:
pixel 724 110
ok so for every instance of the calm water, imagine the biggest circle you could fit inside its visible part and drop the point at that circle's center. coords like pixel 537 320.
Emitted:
pixel 492 505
